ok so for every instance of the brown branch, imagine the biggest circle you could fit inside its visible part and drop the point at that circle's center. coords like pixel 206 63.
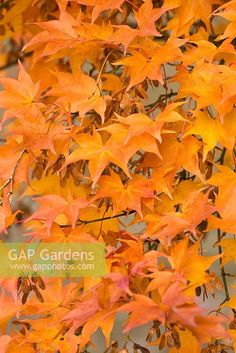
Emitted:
pixel 102 67
pixel 80 221
pixel 10 180
pixel 160 99
pixel 223 274
pixel 165 83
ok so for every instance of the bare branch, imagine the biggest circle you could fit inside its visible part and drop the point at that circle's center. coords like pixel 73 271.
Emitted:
pixel 10 180
pixel 80 221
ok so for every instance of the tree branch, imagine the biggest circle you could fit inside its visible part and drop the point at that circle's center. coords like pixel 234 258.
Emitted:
pixel 161 98
pixel 80 221
pixel 223 274
pixel 10 180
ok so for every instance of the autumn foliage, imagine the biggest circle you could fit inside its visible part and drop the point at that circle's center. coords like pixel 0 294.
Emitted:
pixel 120 128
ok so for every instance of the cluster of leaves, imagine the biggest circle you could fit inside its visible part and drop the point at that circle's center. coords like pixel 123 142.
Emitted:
pixel 121 127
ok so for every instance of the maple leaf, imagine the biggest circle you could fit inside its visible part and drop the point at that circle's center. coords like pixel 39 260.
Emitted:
pixel 148 261
pixel 69 343
pixel 225 178
pixel 212 131
pixel 51 206
pixel 93 32
pixel 124 35
pixel 131 249
pixel 103 319
pixel 124 195
pixel 187 314
pixel 225 200
pixel 79 94
pixel 14 347
pixel 195 209
pixel 140 123
pixel 195 54
pixel 188 262
pixel 57 35
pixel 140 305
pixel 141 66
pixel 14 16
pixel 208 327
pixel 160 182
pixel 50 333
pixel 163 280
pixel 187 12
pixel 111 82
pixel 78 316
pixel 119 133
pixel 209 84
pixel 99 155
pixel 38 132
pixel 55 296
pixel 101 6
pixel 146 16
pixel 18 95
pixel 60 235
pixel 52 183
pixel 177 154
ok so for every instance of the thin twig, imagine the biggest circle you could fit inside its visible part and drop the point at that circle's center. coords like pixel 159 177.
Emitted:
pixel 165 83
pixel 102 67
pixel 161 98
pixel 101 225
pixel 10 180
pixel 80 221
pixel 223 274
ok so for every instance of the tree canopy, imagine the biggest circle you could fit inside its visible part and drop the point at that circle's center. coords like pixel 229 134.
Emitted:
pixel 119 128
